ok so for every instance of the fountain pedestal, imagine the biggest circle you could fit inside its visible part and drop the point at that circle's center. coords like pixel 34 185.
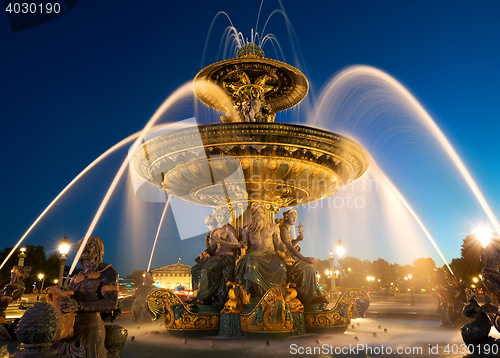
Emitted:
pixel 270 318
pixel 254 167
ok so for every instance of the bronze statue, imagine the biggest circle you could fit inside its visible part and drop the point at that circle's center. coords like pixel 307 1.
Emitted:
pixel 67 320
pixel 14 289
pixel 263 266
pixel 139 307
pixel 475 333
pixel 8 293
pixel 249 102
pixel 489 308
pixel 94 299
pixel 451 299
pixel 490 257
pixel 206 254
pixel 211 274
pixel 302 273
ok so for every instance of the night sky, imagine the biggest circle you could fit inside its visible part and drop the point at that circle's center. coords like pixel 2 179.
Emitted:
pixel 73 87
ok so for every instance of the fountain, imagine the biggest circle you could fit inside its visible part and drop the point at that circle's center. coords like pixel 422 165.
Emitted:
pixel 253 167
pixel 283 165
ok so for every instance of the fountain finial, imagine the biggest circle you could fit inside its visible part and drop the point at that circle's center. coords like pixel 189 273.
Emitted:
pixel 250 50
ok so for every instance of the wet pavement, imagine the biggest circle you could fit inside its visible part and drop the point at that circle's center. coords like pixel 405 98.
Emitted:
pixel 390 330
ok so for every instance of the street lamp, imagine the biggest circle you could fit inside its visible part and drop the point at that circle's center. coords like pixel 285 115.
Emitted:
pixel 340 249
pixel 41 277
pixel 330 274
pixel 370 279
pixel 63 250
pixel 21 256
pixel 476 286
pixel 412 302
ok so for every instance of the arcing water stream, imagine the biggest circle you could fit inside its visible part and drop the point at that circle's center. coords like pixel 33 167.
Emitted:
pixel 339 94
pixel 384 86
pixel 78 177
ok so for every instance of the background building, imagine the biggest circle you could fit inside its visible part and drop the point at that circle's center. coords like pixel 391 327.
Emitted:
pixel 173 276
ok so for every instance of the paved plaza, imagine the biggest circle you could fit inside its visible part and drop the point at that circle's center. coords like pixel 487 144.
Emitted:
pixel 390 330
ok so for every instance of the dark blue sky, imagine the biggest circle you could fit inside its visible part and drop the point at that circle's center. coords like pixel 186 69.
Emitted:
pixel 75 86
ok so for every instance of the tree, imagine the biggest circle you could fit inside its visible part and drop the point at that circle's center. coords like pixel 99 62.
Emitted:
pixel 321 266
pixel 470 266
pixel 35 258
pixel 385 272
pixel 355 275
pixel 52 268
pixel 424 274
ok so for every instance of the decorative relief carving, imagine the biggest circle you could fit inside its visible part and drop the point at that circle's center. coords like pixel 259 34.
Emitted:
pixel 177 316
pixel 340 315
pixel 270 315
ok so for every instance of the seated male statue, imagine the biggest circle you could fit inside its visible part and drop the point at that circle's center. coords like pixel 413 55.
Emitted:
pixel 139 307
pixel 302 273
pixel 14 289
pixel 94 300
pixel 222 246
pixel 263 265
pixel 9 292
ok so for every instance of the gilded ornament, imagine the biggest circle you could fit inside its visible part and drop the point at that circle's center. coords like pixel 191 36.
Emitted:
pixel 177 174
pixel 217 164
pixel 176 315
pixel 270 315
pixel 272 164
pixel 340 315
pixel 245 163
pixel 238 298
pixel 194 168
pixel 291 299
pixel 264 85
pixel 296 167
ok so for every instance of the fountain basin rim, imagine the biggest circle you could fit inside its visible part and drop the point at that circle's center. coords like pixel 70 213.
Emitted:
pixel 304 153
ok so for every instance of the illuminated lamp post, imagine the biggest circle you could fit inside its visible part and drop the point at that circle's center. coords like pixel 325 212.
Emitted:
pixel 41 277
pixel 63 250
pixel 21 256
pixel 330 274
pixel 340 249
pixel 412 302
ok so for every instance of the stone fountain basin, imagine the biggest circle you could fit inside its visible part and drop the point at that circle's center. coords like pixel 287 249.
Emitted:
pixel 280 165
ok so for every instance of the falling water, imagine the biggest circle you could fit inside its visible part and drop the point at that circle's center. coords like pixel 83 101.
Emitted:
pixel 183 92
pixel 342 87
pixel 82 173
pixel 158 232
pixel 370 217
pixel 368 104
pixel 412 212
